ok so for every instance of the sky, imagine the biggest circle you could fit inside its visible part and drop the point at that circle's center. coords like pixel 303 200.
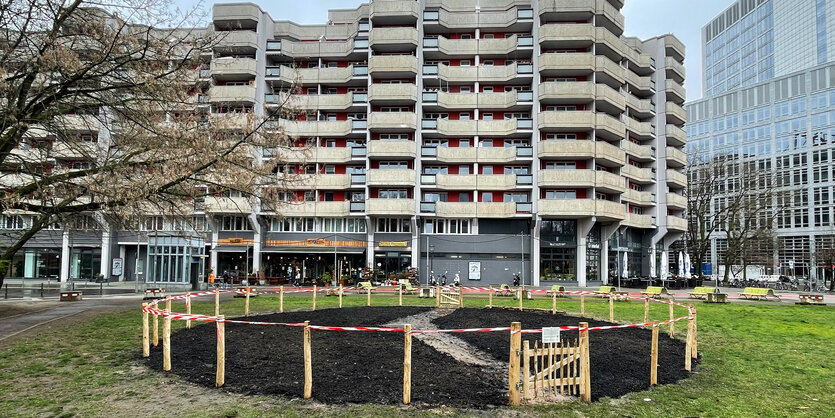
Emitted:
pixel 644 19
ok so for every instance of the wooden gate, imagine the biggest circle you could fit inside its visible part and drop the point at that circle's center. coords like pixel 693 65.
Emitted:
pixel 450 296
pixel 552 369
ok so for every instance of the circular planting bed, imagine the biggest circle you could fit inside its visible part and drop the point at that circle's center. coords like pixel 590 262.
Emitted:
pixel 460 369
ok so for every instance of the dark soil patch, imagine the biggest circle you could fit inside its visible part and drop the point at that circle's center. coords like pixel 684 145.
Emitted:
pixel 348 367
pixel 620 358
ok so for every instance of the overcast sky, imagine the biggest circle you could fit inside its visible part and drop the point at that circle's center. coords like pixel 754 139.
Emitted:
pixel 644 19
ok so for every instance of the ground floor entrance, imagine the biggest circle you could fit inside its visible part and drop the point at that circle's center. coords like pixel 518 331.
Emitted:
pixel 36 263
pixel 307 267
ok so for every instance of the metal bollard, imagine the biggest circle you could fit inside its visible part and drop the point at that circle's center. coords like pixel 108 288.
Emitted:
pixel 7 290
pixel 41 289
pixel 101 289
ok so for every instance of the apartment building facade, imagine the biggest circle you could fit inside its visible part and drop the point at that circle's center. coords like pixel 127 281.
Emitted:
pixel 483 139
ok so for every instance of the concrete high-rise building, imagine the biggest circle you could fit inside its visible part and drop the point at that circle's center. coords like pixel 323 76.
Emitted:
pixel 485 138
pixel 769 100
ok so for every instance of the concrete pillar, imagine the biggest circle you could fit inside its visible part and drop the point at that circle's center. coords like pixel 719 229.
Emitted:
pixel 813 271
pixel 105 253
pixel 65 256
pixel 535 252
pixel 583 228
pixel 256 242
pixel 213 251
pixel 606 232
pixel 122 254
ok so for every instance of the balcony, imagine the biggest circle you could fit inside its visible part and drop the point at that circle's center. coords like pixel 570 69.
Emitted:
pixel 238 205
pixel 609 182
pixel 675 136
pixel 576 150
pixel 675 114
pixel 638 198
pixel 392 93
pixel 393 38
pixel 641 175
pixel 674 48
pixel 675 92
pixel 637 151
pixel 392 121
pixel 330 49
pixel 236 12
pixel 638 221
pixel 86 123
pixel 641 85
pixel 567 92
pixel 470 47
pixel 496 181
pixel 606 210
pixel 456 209
pixel 306 76
pixel 319 181
pixel 607 152
pixel 640 130
pixel 388 207
pixel 610 68
pixel 562 64
pixel 232 121
pixel 676 223
pixel 315 128
pixel 675 69
pixel 502 127
pixel 324 209
pixel 456 181
pixel 469 20
pixel 566 178
pixel 482 73
pixel 676 158
pixel 232 94
pixel 456 154
pixel 398 149
pixel 609 14
pixel 383 177
pixel 393 65
pixel 609 127
pixel 451 101
pixel 676 179
pixel 676 201
pixel 233 67
pixel 394 11
pixel 642 108
pixel 315 101
pixel 495 209
pixel 237 41
pixel 566 121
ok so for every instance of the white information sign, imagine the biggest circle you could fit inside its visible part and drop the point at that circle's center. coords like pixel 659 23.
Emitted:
pixel 474 270
pixel 550 335
pixel 116 267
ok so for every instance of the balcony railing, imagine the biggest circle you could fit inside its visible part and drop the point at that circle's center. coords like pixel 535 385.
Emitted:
pixel 360 70
pixel 429 152
pixel 427 179
pixel 524 207
pixel 524 180
pixel 358 151
pixel 427 207
pixel 359 124
pixel 524 151
pixel 357 207
pixel 524 41
pixel 273 45
pixel 360 98
pixel 430 97
pixel 358 178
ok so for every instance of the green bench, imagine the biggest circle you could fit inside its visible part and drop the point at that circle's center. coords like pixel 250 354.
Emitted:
pixel 605 290
pixel 655 291
pixel 758 293
pixel 556 290
pixel 408 288
pixel 365 287
pixel 702 291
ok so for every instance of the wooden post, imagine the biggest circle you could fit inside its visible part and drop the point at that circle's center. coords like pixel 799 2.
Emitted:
pixel 368 297
pixel 400 295
pixel 646 309
pixel 437 296
pixel 314 297
pixel 513 372
pixel 519 291
pixel 526 364
pixel 166 341
pixel 217 302
pixel 146 338
pixel 585 365
pixel 308 365
pixel 407 364
pixel 688 349
pixel 281 299
pixel 672 324
pixel 460 297
pixel 611 308
pixel 695 342
pixel 246 303
pixel 583 305
pixel 554 304
pixel 168 303
pixel 156 330
pixel 490 298
pixel 188 308
pixel 220 376
pixel 340 296
pixel 653 371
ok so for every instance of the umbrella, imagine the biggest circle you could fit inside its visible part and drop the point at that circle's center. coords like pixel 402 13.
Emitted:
pixel 665 260
pixel 687 266
pixel 680 264
pixel 652 263
pixel 625 272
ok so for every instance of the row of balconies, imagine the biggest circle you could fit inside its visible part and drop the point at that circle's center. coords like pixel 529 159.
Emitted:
pixel 502 100
pixel 583 35
pixel 482 73
pixel 472 47
pixel 500 127
pixel 585 63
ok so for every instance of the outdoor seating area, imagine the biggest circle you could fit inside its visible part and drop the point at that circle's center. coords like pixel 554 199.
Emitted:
pixel 364 287
pixel 758 293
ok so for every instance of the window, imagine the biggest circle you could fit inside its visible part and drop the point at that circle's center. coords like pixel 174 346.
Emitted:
pixel 393 225
pixel 343 225
pixel 447 226
pixel 153 223
pixel 394 165
pixel 293 225
pixel 466 89
pixel 487 169
pixel 560 165
pixel 464 115
pixel 560 137
pixel 309 196
pixel 488 89
pixel 487 116
pixel 560 194
pixel 394 137
pixel 330 169
pixel 487 197
pixel 394 194
pixel 488 63
pixel 234 223
pixel 515 197
pixel 13 222
pixel 560 108
pixel 435 197
pixel 394 109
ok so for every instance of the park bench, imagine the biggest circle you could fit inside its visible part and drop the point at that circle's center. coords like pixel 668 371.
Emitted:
pixel 408 288
pixel 702 292
pixel 556 290
pixel 504 290
pixel 154 293
pixel 655 291
pixel 810 299
pixel 365 287
pixel 758 293
pixel 605 290
pixel 69 297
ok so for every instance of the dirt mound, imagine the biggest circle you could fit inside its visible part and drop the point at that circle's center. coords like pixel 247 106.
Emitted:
pixel 619 358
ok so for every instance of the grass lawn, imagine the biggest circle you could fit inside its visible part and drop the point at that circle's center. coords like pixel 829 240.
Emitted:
pixel 758 360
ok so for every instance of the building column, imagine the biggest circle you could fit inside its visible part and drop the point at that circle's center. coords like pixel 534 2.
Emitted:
pixel 256 243
pixel 65 256
pixel 813 270
pixel 415 245
pixel 213 251
pixel 535 251
pixel 583 228
pixel 606 232
pixel 105 253
pixel 369 238
pixel 122 255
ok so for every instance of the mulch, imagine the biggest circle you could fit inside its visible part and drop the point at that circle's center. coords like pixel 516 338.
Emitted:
pixel 619 358
pixel 367 367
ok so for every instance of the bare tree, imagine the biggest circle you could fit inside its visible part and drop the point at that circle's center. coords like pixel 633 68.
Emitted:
pixel 101 113
pixel 704 181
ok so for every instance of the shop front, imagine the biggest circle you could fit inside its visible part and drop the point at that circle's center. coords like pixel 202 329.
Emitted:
pixel 558 250
pixel 172 259
pixel 392 258
pixel 234 258
pixel 36 263
pixel 313 260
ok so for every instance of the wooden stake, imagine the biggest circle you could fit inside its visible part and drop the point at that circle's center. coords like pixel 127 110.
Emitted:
pixel 688 349
pixel 281 299
pixel 526 367
pixel 314 297
pixel 340 296
pixel 188 308
pixel 220 376
pixel 368 298
pixel 166 341
pixel 168 303
pixel 146 338
pixel 156 330
pixel 672 324
pixel 513 372
pixel 554 304
pixel 490 298
pixel 653 373
pixel 646 309
pixel 585 365
pixel 246 304
pixel 583 305
pixel 308 365
pixel 519 291
pixel 611 308
pixel 695 342
pixel 217 302
pixel 437 296
pixel 460 297
pixel 400 298
pixel 407 364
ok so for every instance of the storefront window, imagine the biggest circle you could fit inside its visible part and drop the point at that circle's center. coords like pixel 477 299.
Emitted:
pixel 558 264
pixel 391 262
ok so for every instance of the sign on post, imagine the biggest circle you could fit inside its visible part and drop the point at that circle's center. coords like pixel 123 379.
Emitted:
pixel 474 270
pixel 550 335
pixel 116 267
